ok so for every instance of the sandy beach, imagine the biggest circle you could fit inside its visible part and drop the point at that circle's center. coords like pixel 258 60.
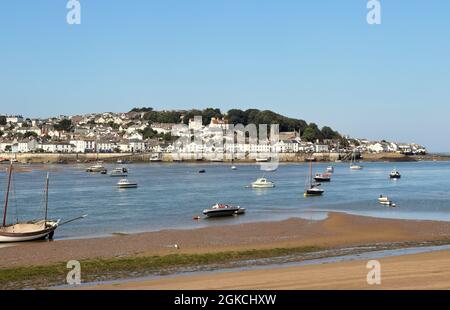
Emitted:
pixel 131 256
pixel 406 272
pixel 338 230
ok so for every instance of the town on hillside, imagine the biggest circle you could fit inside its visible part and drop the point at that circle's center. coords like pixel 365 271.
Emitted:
pixel 145 130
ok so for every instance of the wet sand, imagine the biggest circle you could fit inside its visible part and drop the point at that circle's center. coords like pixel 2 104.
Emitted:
pixel 338 230
pixel 411 272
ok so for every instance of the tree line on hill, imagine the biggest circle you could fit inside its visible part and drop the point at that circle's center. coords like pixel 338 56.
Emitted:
pixel 309 131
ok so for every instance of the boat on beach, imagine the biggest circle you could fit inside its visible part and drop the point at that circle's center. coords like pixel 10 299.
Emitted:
pixel 220 210
pixel 124 183
pixel 29 230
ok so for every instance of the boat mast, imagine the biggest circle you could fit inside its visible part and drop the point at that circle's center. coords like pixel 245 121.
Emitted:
pixel 46 200
pixel 310 174
pixel 7 193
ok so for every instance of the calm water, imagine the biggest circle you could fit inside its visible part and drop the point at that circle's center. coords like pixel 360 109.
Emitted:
pixel 169 195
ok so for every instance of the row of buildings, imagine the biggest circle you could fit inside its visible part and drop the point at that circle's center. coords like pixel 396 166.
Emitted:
pixel 126 133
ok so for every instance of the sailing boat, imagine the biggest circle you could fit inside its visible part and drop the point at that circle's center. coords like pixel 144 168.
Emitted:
pixel 26 231
pixel 353 165
pixel 312 188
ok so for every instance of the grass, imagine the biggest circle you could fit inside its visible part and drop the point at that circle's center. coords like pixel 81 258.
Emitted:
pixel 108 269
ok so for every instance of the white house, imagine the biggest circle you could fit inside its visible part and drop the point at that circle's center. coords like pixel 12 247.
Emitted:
pixel 377 148
pixel 83 145
pixel 321 148
pixel 26 146
pixel 57 147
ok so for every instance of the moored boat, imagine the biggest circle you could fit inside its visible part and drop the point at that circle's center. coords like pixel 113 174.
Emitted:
pixel 263 183
pixel 330 169
pixel 312 188
pixel 124 183
pixel 119 172
pixel 395 175
pixel 96 168
pixel 323 177
pixel 219 210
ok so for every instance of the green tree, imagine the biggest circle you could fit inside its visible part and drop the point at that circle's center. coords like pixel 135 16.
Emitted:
pixel 309 134
pixel 1 133
pixel 2 120
pixel 30 134
pixel 64 125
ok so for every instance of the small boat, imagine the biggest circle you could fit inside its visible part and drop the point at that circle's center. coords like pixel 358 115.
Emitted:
pixel 383 199
pixel 119 172
pixel 356 167
pixel 124 183
pixel 261 160
pixel 97 168
pixel 156 157
pixel 312 188
pixel 330 169
pixel 30 230
pixel 202 171
pixel 322 177
pixel 353 165
pixel 262 183
pixel 219 210
pixel 395 175
pixel 233 168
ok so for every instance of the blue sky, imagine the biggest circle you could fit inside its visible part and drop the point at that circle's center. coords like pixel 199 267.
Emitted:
pixel 316 60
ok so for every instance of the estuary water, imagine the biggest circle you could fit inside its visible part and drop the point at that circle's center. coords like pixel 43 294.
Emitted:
pixel 170 195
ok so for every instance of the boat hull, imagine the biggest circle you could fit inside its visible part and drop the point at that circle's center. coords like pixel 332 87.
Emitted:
pixel 220 213
pixel 6 237
pixel 263 185
pixel 128 186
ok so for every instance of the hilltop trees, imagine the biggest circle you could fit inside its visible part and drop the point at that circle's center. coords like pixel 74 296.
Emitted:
pixel 64 125
pixel 309 132
pixel 2 120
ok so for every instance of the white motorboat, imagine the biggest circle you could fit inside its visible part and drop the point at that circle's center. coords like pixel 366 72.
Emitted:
pixel 383 199
pixel 263 183
pixel 330 169
pixel 395 175
pixel 233 168
pixel 119 172
pixel 124 183
pixel 219 210
pixel 96 168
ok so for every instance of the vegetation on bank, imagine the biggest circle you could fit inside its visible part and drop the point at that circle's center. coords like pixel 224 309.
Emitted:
pixel 108 269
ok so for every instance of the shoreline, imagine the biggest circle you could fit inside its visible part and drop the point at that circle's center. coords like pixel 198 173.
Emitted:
pixel 122 256
pixel 422 271
pixel 74 158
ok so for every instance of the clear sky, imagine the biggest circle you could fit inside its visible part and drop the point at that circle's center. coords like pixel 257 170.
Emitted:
pixel 316 60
